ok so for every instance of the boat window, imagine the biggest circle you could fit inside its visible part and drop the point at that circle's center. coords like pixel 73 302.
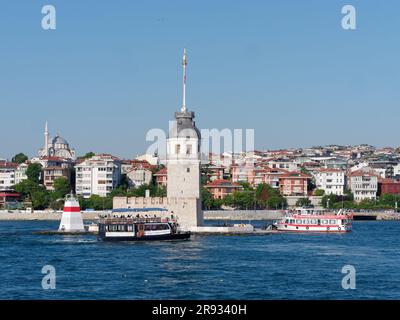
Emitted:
pixel 298 221
pixel 324 221
pixel 291 220
pixel 306 221
pixel 156 226
pixel 287 221
pixel 130 227
pixel 332 221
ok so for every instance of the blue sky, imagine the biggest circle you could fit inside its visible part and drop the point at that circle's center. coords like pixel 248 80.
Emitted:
pixel 111 71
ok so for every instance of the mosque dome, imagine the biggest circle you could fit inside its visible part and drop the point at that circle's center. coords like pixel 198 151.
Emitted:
pixel 60 141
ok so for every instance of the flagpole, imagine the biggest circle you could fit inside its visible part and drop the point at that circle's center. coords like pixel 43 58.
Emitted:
pixel 184 63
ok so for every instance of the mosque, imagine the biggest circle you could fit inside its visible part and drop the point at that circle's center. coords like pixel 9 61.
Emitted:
pixel 56 147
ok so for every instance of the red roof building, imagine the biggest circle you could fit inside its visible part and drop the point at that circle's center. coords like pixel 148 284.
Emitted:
pixel 221 188
pixel 161 177
pixel 294 184
pixel 388 186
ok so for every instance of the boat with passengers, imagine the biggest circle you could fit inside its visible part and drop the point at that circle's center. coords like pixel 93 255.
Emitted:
pixel 313 220
pixel 139 225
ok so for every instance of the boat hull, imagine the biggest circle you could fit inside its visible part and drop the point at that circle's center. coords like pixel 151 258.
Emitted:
pixel 163 237
pixel 311 229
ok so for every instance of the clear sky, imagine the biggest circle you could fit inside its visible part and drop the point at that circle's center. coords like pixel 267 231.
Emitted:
pixel 112 70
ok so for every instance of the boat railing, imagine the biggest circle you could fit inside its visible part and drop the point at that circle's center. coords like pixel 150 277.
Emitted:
pixel 133 220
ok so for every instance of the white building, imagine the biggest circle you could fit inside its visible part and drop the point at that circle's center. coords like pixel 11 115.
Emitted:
pixel 396 170
pixel 7 175
pixel 283 164
pixel 332 181
pixel 20 172
pixel 363 184
pixel 139 176
pixel 98 175
pixel 152 159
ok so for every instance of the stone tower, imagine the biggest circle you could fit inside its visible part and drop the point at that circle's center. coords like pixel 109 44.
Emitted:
pixel 183 162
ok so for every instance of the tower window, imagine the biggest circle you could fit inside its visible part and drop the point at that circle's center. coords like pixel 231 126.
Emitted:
pixel 189 149
pixel 187 169
pixel 177 149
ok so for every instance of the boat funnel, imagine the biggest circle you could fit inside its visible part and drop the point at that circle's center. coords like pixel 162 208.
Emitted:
pixel 71 220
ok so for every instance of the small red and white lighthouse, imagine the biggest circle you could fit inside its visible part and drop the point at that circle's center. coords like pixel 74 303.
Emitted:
pixel 71 220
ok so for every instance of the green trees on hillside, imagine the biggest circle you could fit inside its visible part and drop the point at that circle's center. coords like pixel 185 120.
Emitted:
pixel 19 158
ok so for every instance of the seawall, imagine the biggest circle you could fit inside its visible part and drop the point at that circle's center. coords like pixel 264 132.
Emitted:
pixel 243 214
pixel 42 215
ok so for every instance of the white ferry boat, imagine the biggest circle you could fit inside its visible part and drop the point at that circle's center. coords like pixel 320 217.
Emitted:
pixel 311 220
pixel 139 228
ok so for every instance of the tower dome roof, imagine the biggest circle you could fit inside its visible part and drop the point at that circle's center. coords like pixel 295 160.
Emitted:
pixel 184 126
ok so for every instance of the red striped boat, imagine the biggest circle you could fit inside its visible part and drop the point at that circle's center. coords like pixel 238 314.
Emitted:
pixel 311 220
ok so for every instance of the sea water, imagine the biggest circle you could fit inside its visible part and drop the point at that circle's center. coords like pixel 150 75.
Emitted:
pixel 275 266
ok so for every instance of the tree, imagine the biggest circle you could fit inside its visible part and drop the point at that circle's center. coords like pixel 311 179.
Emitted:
pixel 319 192
pixel 303 202
pixel 243 200
pixel 19 158
pixel 26 187
pixel 268 197
pixel 88 155
pixel 33 172
pixel 160 191
pixel 61 187
pixel 124 184
pixel 40 199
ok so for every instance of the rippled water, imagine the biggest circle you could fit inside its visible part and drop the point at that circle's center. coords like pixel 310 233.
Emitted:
pixel 278 266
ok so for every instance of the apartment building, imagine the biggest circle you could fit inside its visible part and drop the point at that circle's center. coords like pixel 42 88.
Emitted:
pixel 98 175
pixel 363 184
pixel 332 181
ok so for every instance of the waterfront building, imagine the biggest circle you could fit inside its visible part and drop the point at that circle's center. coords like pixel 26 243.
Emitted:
pixel 7 175
pixel 388 186
pixel 221 188
pixel 332 181
pixel 363 184
pixel 9 200
pixel 98 175
pixel 56 147
pixel 294 184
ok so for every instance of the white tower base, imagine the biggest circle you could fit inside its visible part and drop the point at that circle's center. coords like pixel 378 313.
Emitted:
pixel 71 222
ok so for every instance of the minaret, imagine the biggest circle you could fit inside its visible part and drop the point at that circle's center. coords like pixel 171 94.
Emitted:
pixel 184 63
pixel 46 140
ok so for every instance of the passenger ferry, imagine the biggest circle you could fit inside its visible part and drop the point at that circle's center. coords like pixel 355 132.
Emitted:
pixel 311 220
pixel 139 228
